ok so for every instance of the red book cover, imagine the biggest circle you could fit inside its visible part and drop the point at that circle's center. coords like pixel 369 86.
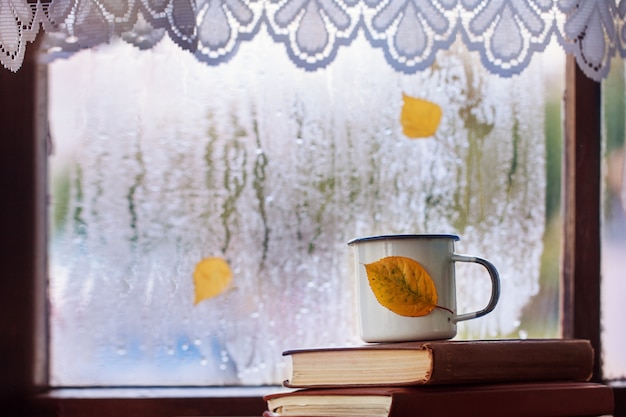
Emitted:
pixel 546 399
pixel 442 362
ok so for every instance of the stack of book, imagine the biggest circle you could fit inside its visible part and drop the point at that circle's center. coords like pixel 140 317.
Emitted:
pixel 525 378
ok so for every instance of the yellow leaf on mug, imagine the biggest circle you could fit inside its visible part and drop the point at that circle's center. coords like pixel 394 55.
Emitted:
pixel 211 277
pixel 419 118
pixel 402 285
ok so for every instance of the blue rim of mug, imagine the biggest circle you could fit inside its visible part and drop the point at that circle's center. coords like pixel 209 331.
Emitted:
pixel 399 237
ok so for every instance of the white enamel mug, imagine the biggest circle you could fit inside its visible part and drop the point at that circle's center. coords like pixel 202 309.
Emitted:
pixel 435 252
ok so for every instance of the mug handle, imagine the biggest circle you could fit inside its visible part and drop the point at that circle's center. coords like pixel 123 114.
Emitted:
pixel 495 286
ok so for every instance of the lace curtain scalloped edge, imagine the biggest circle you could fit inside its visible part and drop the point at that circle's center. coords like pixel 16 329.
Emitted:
pixel 505 33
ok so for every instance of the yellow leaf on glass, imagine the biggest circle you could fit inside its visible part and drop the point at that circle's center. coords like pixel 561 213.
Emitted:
pixel 419 118
pixel 211 277
pixel 402 285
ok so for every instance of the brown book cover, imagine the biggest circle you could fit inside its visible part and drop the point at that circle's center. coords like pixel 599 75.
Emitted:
pixel 442 362
pixel 542 399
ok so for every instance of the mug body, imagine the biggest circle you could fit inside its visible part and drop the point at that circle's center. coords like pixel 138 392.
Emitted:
pixel 433 252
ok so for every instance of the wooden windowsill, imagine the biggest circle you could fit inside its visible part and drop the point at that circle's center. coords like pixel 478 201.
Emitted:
pixel 154 402
pixel 183 401
pixel 159 392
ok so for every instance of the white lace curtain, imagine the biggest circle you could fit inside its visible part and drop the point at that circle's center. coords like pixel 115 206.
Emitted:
pixel 505 32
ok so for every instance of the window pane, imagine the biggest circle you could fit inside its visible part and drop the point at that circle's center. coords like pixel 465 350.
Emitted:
pixel 614 225
pixel 161 161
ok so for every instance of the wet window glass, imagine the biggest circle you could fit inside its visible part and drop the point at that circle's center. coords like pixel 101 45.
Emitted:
pixel 613 224
pixel 161 163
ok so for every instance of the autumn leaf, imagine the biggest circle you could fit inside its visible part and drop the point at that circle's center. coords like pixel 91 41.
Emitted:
pixel 211 277
pixel 402 285
pixel 419 118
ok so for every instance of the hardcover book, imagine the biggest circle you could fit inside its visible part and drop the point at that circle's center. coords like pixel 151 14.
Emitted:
pixel 442 362
pixel 542 399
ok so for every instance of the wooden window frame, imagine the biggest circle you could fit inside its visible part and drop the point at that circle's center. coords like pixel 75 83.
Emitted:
pixel 23 373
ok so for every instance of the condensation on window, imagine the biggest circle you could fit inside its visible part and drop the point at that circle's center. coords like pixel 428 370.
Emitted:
pixel 160 161
pixel 614 224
